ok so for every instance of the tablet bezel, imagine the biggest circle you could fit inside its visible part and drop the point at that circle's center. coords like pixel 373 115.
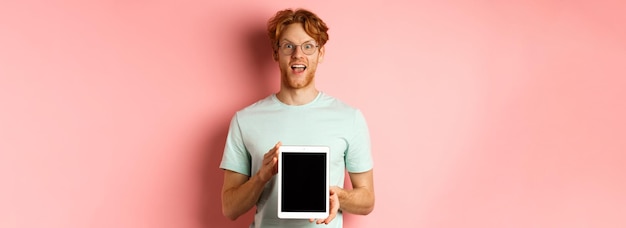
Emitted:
pixel 302 149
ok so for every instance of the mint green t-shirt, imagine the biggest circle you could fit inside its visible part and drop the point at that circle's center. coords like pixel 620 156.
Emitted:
pixel 325 121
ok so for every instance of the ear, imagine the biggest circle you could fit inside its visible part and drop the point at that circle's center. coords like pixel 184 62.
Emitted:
pixel 275 55
pixel 320 57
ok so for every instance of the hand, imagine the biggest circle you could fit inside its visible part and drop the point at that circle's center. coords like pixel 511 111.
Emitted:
pixel 334 206
pixel 270 164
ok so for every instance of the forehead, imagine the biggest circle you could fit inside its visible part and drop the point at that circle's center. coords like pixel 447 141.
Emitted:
pixel 295 33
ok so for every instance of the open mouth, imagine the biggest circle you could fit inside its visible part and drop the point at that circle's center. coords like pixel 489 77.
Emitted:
pixel 298 68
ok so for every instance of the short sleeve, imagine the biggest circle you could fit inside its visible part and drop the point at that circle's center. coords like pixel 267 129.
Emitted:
pixel 359 156
pixel 236 158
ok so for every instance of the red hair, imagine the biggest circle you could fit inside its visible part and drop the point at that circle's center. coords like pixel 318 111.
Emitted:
pixel 313 26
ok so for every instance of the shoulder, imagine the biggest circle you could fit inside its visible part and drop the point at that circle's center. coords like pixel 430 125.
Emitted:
pixel 336 103
pixel 262 105
pixel 340 107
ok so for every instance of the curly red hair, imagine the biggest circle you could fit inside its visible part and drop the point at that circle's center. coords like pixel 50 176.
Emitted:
pixel 313 26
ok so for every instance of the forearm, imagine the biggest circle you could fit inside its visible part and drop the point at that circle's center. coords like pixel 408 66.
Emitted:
pixel 239 200
pixel 356 201
pixel 240 193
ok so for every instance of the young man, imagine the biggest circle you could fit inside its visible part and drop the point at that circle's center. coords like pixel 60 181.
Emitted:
pixel 299 114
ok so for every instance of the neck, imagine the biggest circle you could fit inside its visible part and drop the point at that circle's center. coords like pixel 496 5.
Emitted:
pixel 297 96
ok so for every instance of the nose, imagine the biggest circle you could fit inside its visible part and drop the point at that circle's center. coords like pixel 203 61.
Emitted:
pixel 297 52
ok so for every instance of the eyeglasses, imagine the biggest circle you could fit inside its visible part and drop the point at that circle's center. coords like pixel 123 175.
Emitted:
pixel 308 48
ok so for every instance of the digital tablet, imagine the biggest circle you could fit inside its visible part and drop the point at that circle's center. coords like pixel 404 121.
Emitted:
pixel 303 180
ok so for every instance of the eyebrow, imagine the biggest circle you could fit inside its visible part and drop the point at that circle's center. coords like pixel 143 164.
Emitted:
pixel 289 41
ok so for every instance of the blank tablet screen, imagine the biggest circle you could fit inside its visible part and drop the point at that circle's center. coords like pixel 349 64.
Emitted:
pixel 303 182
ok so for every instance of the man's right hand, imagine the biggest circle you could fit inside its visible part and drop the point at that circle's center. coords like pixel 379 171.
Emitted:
pixel 270 164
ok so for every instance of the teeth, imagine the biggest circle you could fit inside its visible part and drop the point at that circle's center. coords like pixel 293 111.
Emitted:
pixel 297 65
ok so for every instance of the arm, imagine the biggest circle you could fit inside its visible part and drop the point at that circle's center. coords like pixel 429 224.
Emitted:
pixel 240 192
pixel 360 199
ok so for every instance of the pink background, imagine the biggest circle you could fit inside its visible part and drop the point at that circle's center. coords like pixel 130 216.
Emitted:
pixel 482 113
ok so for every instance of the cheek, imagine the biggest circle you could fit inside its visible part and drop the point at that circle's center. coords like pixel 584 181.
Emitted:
pixel 283 62
pixel 313 62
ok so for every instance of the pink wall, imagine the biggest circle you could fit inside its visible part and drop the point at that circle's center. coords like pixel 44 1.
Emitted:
pixel 482 114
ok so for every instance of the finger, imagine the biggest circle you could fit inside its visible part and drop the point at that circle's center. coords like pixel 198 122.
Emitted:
pixel 269 153
pixel 334 206
pixel 267 160
pixel 317 221
pixel 271 164
pixel 276 146
pixel 269 156
pixel 275 165
pixel 330 218
pixel 274 150
pixel 274 155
